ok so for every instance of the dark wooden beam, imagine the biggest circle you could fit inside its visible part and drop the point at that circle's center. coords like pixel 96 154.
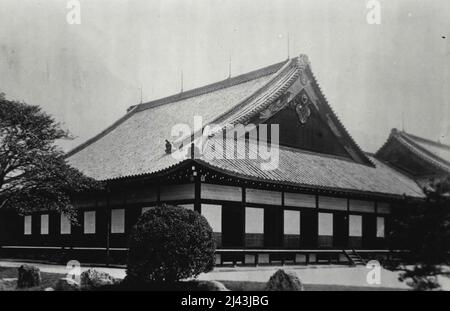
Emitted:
pixel 108 225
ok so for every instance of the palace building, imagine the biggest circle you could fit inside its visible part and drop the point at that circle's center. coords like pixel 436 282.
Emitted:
pixel 325 199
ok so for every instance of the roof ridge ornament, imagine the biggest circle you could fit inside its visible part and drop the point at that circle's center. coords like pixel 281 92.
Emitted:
pixel 303 61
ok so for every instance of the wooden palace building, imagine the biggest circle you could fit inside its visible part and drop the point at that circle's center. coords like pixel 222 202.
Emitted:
pixel 324 199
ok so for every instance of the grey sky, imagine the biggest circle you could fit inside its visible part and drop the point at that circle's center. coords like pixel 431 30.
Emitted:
pixel 87 75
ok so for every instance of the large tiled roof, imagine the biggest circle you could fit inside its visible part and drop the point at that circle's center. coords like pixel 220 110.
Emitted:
pixel 134 144
pixel 314 170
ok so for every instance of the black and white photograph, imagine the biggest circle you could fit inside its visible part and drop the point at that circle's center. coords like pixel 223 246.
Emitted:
pixel 245 146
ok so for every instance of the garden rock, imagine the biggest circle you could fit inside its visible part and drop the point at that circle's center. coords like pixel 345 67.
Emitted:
pixel 92 278
pixel 66 284
pixel 29 276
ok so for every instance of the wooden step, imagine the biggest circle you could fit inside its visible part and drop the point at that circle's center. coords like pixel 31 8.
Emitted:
pixel 355 258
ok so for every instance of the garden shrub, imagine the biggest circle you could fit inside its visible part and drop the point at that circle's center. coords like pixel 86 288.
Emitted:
pixel 170 243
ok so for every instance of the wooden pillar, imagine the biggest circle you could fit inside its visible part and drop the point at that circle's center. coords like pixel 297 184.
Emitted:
pixel 197 190
pixel 158 193
pixel 243 215
pixel 377 242
pixel 108 224
pixel 283 244
pixel 316 223
pixel 348 224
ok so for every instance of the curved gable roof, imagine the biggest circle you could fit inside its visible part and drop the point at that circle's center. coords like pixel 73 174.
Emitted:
pixel 438 150
pixel 435 154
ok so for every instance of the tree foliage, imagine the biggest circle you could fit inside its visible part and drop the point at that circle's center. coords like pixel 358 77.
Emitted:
pixel 33 172
pixel 170 243
pixel 424 232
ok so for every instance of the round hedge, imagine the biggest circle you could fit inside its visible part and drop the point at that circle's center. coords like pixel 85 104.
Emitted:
pixel 169 243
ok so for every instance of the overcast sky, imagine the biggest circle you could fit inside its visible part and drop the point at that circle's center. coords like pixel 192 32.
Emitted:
pixel 375 77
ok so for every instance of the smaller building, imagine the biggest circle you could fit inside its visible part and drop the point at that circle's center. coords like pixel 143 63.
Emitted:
pixel 425 160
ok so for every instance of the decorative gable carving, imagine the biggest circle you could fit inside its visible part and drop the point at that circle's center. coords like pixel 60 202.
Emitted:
pixel 300 126
pixel 301 106
pixel 279 104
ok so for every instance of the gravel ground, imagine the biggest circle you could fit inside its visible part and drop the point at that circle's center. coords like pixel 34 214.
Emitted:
pixel 313 274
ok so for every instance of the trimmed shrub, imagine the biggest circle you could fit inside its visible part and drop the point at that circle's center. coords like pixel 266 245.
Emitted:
pixel 284 281
pixel 170 243
pixel 211 286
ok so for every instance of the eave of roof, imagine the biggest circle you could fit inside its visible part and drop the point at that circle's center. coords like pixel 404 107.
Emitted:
pixel 267 180
pixel 101 134
pixel 300 167
pixel 312 188
pixel 304 170
pixel 336 119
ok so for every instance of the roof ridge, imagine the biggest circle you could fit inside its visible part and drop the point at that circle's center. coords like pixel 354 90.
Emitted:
pixel 426 140
pixel 421 151
pixel 285 68
pixel 212 87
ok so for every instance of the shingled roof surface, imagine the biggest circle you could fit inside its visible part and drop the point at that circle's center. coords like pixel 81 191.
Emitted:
pixel 304 168
pixel 135 144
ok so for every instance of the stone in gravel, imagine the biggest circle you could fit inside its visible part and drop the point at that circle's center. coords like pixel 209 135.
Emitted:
pixel 29 276
pixel 92 278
